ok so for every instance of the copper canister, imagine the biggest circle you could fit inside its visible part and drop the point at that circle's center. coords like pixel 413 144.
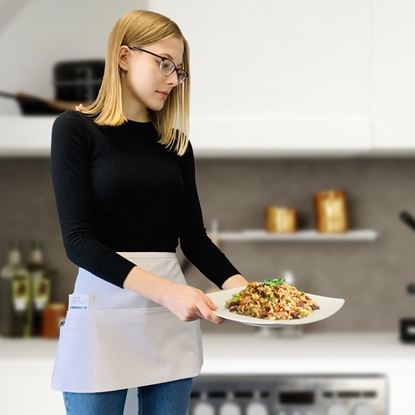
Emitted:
pixel 280 220
pixel 53 315
pixel 331 211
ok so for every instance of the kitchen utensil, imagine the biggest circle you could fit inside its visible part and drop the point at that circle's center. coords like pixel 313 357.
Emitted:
pixel 331 211
pixel 407 330
pixel 407 325
pixel 75 82
pixel 407 218
pixel 78 80
pixel 328 306
pixel 280 220
pixel 411 288
pixel 31 105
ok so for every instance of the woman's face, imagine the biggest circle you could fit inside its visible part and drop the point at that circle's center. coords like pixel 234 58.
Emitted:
pixel 143 84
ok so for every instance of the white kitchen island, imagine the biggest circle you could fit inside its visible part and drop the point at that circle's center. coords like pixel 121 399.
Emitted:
pixel 26 365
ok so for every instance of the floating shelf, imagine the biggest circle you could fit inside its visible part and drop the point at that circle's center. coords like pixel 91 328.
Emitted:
pixel 307 235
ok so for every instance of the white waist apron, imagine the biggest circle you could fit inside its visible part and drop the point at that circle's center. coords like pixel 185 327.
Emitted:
pixel 125 340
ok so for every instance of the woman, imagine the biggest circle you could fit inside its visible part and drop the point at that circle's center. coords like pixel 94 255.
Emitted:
pixel 124 181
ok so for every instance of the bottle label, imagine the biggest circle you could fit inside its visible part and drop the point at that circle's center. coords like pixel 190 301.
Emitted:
pixel 20 290
pixel 41 293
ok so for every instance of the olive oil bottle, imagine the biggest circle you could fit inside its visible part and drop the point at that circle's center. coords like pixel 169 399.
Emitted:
pixel 40 286
pixel 15 309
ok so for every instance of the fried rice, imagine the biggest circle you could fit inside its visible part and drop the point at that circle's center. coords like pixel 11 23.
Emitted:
pixel 272 300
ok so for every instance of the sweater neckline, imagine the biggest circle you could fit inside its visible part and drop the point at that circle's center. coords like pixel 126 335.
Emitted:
pixel 131 122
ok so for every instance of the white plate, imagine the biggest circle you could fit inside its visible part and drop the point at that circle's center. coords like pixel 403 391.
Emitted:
pixel 328 306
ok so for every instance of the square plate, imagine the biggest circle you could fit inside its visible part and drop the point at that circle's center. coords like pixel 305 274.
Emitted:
pixel 328 306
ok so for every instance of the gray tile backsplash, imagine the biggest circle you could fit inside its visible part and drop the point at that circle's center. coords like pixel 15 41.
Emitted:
pixel 371 276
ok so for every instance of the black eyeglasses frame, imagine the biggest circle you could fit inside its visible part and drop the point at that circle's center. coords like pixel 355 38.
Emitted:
pixel 179 71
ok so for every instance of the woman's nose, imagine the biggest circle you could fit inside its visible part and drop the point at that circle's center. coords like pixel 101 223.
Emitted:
pixel 172 79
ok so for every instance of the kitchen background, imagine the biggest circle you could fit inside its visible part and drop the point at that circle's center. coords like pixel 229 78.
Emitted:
pixel 288 99
pixel 372 276
pixel 337 100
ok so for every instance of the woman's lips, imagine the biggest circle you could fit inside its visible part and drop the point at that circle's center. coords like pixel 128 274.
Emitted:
pixel 163 94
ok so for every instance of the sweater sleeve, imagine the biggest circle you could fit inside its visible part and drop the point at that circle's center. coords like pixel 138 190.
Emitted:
pixel 194 241
pixel 70 158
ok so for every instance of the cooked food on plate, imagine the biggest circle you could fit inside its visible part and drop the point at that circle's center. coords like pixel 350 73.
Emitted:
pixel 272 300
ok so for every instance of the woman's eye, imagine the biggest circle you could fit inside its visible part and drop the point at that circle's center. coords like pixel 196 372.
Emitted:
pixel 163 64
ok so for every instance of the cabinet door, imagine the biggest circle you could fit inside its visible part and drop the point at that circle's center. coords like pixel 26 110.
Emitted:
pixel 277 75
pixel 393 74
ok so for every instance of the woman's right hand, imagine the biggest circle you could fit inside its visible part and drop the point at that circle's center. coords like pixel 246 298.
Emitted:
pixel 189 303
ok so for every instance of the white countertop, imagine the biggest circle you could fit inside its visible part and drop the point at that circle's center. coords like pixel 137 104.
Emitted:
pixel 253 354
pixel 311 353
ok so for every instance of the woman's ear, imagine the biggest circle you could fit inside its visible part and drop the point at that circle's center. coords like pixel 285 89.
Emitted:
pixel 124 57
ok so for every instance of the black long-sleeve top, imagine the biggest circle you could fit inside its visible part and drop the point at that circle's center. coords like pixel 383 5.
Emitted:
pixel 118 190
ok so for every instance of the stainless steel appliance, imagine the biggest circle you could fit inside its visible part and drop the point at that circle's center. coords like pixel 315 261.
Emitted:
pixel 289 395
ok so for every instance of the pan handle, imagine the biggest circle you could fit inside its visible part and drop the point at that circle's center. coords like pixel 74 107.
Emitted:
pixel 7 95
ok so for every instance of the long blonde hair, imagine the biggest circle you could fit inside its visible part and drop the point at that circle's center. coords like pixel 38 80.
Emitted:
pixel 140 28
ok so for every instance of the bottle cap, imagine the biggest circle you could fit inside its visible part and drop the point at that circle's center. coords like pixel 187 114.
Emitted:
pixel 37 245
pixel 15 245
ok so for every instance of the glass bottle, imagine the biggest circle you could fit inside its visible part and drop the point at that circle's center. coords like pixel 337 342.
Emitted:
pixel 40 286
pixel 15 309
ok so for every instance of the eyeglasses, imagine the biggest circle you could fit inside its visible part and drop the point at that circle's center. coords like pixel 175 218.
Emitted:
pixel 167 66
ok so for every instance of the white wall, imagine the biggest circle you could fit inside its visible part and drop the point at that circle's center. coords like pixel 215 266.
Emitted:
pixel 297 58
pixel 36 34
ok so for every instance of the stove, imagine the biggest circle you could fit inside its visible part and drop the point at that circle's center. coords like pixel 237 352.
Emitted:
pixel 289 395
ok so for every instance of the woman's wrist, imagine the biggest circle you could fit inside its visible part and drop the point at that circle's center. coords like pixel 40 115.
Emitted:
pixel 235 281
pixel 146 284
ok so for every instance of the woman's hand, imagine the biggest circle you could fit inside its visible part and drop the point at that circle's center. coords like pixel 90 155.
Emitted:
pixel 189 303
pixel 234 282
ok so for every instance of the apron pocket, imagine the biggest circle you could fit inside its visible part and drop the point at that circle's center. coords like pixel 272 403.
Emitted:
pixel 113 348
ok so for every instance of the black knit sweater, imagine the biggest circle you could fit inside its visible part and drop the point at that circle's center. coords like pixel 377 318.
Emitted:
pixel 118 190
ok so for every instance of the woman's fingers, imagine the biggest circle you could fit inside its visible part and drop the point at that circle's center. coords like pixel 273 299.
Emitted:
pixel 210 303
pixel 189 303
pixel 206 311
pixel 204 308
pixel 216 319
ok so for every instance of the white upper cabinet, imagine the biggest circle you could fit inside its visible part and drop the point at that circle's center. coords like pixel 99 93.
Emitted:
pixel 276 77
pixel 394 75
pixel 268 78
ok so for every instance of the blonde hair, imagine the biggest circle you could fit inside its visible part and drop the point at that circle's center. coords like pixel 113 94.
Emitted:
pixel 140 28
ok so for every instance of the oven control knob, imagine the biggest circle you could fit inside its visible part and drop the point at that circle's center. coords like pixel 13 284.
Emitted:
pixel 203 409
pixel 230 409
pixel 256 409
pixel 337 410
pixel 363 409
